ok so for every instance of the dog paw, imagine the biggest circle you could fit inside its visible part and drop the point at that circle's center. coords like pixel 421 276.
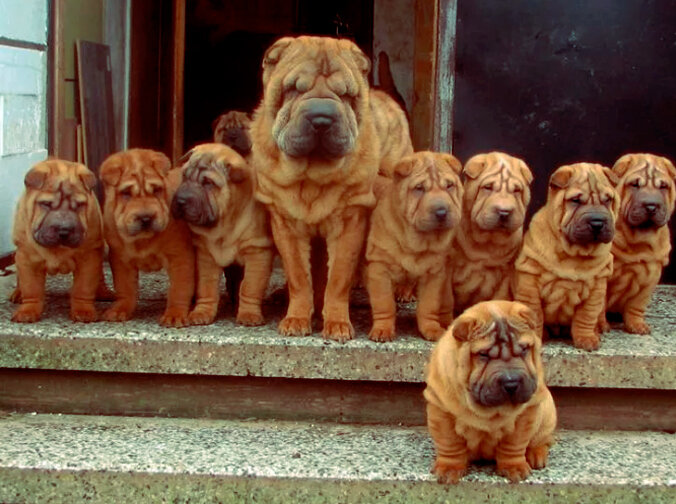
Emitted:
pixel 83 314
pixel 603 326
pixel 449 474
pixel 200 317
pixel 338 331
pixel 432 333
pixel 174 317
pixel 537 456
pixel 15 296
pixel 26 313
pixel 588 343
pixel 294 326
pixel 116 313
pixel 515 471
pixel 250 318
pixel 382 334
pixel 637 327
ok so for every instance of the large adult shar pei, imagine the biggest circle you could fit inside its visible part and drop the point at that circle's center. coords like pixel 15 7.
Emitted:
pixel 317 147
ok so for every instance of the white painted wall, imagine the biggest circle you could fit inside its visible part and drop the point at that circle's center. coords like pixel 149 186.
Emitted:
pixel 23 101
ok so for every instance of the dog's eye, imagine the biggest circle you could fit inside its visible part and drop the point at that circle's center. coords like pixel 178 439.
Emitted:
pixel 487 187
pixel 449 185
pixel 419 188
pixel 485 355
pixel 157 191
pixel 126 193
pixel 47 205
pixel 77 204
pixel 517 190
pixel 608 198
pixel 576 200
pixel 664 185
pixel 635 183
pixel 208 184
pixel 524 351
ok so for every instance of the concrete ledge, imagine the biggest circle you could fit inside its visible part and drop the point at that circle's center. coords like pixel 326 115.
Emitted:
pixel 45 458
pixel 224 348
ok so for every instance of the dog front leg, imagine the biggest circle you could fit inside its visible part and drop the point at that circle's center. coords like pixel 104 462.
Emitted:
pixel 633 312
pixel 510 454
pixel 527 291
pixel 343 249
pixel 452 457
pixel 181 269
pixel 31 278
pixel 381 297
pixel 294 249
pixel 586 317
pixel 208 282
pixel 257 271
pixel 86 281
pixel 435 304
pixel 125 280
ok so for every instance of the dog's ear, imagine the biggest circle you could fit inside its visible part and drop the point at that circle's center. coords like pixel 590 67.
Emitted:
pixel 671 170
pixel 214 123
pixel 273 55
pixel 464 327
pixel 111 170
pixel 611 176
pixel 362 61
pixel 404 168
pixel 453 162
pixel 87 177
pixel 185 157
pixel 474 166
pixel 36 176
pixel 525 171
pixel 237 173
pixel 160 162
pixel 622 165
pixel 527 316
pixel 561 177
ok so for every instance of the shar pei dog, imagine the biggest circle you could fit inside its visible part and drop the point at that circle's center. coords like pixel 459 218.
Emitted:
pixel 233 129
pixel 564 266
pixel 58 229
pixel 409 242
pixel 486 393
pixel 496 197
pixel 320 136
pixel 229 226
pixel 642 241
pixel 142 235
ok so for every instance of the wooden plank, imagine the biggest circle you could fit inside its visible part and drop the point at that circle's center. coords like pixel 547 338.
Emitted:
pixel 298 399
pixel 58 77
pixel 177 88
pixel 444 76
pixel 115 36
pixel 96 102
pixel 424 60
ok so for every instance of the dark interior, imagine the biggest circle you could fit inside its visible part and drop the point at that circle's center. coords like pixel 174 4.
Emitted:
pixel 226 40
pixel 560 82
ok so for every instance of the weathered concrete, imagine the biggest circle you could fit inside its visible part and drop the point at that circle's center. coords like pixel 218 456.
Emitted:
pixel 224 348
pixel 58 458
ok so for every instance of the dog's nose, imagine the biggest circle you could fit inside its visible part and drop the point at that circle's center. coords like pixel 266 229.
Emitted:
pixel 510 384
pixel 321 114
pixel 504 213
pixel 440 212
pixel 65 230
pixel 597 224
pixel 651 208
pixel 146 220
pixel 321 121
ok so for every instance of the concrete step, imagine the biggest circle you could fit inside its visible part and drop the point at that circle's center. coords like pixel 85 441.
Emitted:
pixel 141 346
pixel 61 458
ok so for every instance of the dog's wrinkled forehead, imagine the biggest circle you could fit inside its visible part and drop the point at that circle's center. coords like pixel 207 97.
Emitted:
pixel 504 337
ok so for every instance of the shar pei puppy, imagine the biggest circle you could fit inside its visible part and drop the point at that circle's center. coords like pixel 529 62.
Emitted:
pixel 564 266
pixel 642 241
pixel 142 235
pixel 409 242
pixel 229 226
pixel 486 393
pixel 58 229
pixel 320 136
pixel 496 197
pixel 233 129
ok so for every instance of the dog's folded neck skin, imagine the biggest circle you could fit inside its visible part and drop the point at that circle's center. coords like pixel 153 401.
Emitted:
pixel 495 246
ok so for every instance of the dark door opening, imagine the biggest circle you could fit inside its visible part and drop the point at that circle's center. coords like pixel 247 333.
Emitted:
pixel 225 41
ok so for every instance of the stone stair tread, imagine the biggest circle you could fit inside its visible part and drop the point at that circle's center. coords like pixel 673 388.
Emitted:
pixel 225 348
pixel 36 450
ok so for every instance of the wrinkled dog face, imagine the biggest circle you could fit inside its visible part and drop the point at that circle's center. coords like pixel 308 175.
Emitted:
pixel 586 202
pixel 646 190
pixel 232 129
pixel 500 352
pixel 315 88
pixel 428 189
pixel 135 182
pixel 61 193
pixel 497 191
pixel 210 175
